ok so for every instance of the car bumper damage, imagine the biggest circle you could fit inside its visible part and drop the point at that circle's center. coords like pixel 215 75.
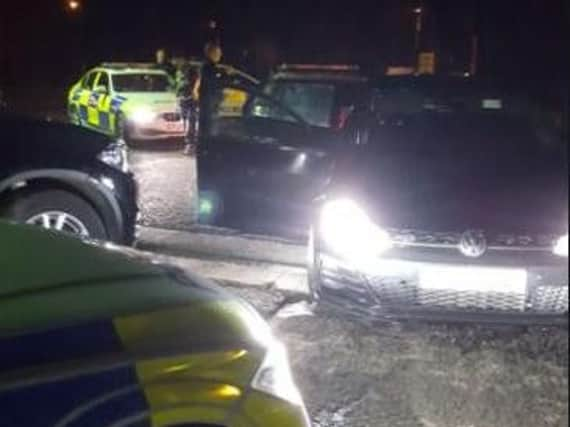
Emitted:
pixel 505 288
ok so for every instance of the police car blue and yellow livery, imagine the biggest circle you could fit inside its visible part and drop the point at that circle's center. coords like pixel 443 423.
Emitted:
pixel 93 336
pixel 130 101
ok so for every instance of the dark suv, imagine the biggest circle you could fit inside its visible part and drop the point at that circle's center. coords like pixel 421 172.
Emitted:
pixel 66 178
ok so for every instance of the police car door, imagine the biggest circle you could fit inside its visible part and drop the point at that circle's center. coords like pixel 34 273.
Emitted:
pixel 84 96
pixel 93 101
pixel 102 92
pixel 263 164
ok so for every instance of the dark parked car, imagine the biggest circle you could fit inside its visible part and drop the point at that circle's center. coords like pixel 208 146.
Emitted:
pixel 261 168
pixel 445 215
pixel 62 177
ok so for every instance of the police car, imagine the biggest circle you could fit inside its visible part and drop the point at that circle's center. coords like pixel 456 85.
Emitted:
pixel 127 100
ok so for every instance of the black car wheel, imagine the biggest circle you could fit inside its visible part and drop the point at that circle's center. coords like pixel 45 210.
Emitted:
pixel 57 210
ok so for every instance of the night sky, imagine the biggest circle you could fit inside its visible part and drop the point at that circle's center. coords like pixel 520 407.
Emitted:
pixel 525 39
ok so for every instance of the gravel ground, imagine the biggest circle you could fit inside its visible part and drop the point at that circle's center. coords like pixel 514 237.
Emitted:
pixel 165 177
pixel 412 374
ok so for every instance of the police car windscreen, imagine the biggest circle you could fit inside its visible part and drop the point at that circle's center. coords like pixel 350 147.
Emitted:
pixel 141 83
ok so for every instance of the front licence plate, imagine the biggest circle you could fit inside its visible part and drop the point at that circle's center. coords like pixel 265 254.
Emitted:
pixel 173 127
pixel 474 279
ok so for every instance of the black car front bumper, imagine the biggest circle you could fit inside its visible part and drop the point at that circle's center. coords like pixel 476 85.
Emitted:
pixel 118 203
pixel 395 286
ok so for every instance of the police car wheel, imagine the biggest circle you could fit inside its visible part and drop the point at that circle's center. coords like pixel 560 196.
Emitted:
pixel 57 210
pixel 122 131
pixel 74 116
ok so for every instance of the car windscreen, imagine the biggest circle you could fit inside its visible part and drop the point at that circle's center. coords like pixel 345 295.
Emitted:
pixel 141 82
pixel 314 101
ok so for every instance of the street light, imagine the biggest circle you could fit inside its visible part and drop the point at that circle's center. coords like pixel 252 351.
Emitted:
pixel 73 5
pixel 418 11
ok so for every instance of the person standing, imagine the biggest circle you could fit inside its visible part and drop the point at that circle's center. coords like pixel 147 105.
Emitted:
pixel 209 86
pixel 162 62
pixel 188 96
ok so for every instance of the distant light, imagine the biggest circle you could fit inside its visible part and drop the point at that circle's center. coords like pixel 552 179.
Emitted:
pixel 212 24
pixel 73 5
pixel 418 10
pixel 466 74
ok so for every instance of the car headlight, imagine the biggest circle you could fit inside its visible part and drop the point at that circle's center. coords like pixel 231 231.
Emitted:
pixel 274 376
pixel 142 116
pixel 561 246
pixel 115 155
pixel 346 230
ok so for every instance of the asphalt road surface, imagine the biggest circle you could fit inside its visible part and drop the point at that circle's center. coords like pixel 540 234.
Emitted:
pixel 406 374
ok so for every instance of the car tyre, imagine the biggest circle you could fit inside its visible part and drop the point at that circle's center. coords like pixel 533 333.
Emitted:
pixel 122 130
pixel 58 210
pixel 74 117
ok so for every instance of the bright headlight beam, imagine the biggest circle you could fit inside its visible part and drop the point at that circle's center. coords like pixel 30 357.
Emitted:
pixel 142 116
pixel 561 246
pixel 348 231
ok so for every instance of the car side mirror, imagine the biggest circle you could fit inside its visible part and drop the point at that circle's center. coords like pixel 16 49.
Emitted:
pixel 101 90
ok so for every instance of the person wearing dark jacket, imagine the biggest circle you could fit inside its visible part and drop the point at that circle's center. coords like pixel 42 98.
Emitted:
pixel 188 97
pixel 209 93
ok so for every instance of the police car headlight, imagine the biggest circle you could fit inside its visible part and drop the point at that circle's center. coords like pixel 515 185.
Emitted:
pixel 274 376
pixel 143 116
pixel 115 155
pixel 561 246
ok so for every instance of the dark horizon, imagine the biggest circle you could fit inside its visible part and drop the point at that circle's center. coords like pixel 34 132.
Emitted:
pixel 526 40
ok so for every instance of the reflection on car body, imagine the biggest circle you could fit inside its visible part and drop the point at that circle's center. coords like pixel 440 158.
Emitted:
pixel 137 342
pixel 66 178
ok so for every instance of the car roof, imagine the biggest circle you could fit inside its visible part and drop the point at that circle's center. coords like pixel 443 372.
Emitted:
pixel 316 76
pixel 115 68
pixel 319 72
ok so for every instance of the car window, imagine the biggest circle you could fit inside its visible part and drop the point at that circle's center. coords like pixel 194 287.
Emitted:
pixel 238 114
pixel 89 80
pixel 141 82
pixel 314 101
pixel 264 108
pixel 103 80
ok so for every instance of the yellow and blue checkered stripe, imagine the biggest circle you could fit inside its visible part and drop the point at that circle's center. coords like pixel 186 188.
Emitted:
pixel 97 110
pixel 113 388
